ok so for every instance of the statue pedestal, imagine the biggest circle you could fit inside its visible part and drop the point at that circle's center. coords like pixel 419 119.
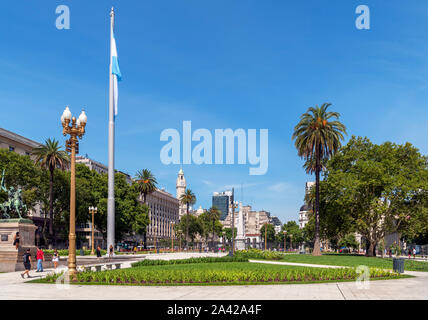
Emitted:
pixel 239 243
pixel 10 257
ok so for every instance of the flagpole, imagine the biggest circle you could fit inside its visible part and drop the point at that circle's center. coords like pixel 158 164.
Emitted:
pixel 110 200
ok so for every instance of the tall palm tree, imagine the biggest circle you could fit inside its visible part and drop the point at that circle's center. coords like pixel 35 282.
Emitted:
pixel 310 165
pixel 50 156
pixel 214 215
pixel 146 185
pixel 318 136
pixel 188 198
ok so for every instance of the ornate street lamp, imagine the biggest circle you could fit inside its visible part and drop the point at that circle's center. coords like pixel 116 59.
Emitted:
pixel 285 243
pixel 75 129
pixel 92 210
pixel 172 236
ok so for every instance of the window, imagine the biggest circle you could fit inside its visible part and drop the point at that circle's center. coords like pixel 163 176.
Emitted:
pixel 11 148
pixel 27 153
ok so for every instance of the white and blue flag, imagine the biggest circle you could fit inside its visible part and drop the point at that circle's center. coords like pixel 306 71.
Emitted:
pixel 117 76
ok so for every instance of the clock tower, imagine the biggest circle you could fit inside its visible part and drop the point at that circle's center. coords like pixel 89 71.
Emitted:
pixel 180 188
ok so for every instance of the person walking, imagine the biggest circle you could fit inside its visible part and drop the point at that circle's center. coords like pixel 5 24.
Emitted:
pixel 110 251
pixel 98 251
pixel 27 264
pixel 414 253
pixel 410 253
pixel 40 256
pixel 16 238
pixel 55 258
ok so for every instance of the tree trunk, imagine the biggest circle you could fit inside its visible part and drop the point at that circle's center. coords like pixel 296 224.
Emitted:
pixel 370 250
pixel 187 226
pixel 145 231
pixel 51 180
pixel 145 239
pixel 317 249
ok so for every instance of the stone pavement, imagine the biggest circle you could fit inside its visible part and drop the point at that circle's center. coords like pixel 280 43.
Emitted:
pixel 14 287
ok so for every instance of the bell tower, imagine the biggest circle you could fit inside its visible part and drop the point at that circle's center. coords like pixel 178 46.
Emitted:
pixel 180 188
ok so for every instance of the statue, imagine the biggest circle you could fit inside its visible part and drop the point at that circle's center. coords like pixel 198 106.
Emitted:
pixel 14 204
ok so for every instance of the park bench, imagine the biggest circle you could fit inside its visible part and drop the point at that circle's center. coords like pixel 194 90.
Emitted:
pixel 98 267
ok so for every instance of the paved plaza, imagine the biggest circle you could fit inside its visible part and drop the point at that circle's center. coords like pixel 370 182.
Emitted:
pixel 14 287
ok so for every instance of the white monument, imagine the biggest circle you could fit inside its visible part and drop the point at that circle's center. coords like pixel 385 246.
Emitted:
pixel 240 230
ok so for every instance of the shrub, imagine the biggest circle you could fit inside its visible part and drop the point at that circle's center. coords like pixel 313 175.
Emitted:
pixel 148 262
pixel 259 254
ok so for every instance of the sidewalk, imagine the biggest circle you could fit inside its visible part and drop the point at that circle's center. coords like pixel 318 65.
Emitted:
pixel 14 287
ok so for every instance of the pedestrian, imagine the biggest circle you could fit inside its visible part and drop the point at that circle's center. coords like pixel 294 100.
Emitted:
pixel 135 249
pixel 414 253
pixel 410 253
pixel 40 256
pixel 16 238
pixel 55 258
pixel 27 264
pixel 98 252
pixel 110 251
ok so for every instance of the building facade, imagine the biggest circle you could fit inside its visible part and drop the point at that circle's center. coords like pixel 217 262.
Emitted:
pixel 163 214
pixel 222 200
pixel 16 143
pixel 253 222
pixel 305 209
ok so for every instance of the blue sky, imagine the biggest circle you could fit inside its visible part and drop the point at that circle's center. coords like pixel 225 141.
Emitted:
pixel 221 64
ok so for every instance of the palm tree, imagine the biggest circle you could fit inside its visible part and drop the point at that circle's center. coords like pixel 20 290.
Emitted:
pixel 214 215
pixel 188 198
pixel 318 136
pixel 146 185
pixel 50 156
pixel 310 165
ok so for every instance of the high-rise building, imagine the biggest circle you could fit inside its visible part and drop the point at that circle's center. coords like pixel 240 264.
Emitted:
pixel 222 200
pixel 180 188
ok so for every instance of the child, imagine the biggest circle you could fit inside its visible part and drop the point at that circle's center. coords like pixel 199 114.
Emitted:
pixel 55 258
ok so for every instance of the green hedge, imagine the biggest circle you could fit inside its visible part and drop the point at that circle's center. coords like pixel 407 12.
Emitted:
pixel 148 262
pixel 259 254
pixel 64 252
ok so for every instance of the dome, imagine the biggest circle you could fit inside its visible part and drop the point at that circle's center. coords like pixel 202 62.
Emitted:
pixel 305 207
pixel 181 171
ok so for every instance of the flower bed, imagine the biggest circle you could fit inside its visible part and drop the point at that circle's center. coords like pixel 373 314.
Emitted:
pixel 220 273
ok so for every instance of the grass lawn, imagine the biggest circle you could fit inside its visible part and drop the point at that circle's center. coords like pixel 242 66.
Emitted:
pixel 354 261
pixel 220 273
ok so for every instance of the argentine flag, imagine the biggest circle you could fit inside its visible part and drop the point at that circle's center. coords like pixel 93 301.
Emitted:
pixel 114 63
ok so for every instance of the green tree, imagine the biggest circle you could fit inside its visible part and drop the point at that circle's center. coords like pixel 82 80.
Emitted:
pixel 381 188
pixel 50 157
pixel 349 241
pixel 318 136
pixel 147 184
pixel 214 216
pixel 270 229
pixel 191 226
pixel 294 235
pixel 188 198
pixel 227 232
